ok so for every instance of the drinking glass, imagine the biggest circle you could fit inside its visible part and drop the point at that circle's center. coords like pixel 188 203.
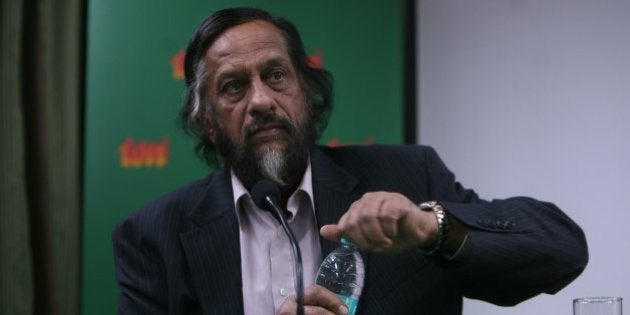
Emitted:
pixel 597 306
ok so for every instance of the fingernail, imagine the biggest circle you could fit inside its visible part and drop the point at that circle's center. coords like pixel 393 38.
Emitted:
pixel 343 310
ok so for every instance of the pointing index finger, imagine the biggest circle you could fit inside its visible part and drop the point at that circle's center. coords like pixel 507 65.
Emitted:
pixel 331 232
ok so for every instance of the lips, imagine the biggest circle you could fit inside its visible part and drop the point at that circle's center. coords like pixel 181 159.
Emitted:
pixel 267 130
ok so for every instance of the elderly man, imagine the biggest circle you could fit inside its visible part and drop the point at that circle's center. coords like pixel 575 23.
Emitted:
pixel 257 108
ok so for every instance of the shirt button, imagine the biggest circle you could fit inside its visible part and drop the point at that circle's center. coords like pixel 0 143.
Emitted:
pixel 284 291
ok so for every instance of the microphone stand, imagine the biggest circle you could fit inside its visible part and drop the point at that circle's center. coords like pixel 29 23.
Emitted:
pixel 299 281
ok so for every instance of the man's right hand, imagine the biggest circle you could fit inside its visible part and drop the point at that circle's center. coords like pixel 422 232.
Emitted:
pixel 317 301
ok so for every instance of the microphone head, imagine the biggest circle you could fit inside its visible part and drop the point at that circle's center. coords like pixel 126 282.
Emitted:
pixel 262 189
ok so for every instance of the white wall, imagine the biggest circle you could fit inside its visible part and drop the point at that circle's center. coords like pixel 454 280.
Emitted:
pixel 532 97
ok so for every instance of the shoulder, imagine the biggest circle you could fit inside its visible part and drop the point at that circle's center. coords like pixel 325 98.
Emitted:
pixel 186 194
pixel 170 210
pixel 384 162
pixel 378 153
pixel 406 169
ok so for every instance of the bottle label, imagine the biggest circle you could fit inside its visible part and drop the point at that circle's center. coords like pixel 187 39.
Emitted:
pixel 351 303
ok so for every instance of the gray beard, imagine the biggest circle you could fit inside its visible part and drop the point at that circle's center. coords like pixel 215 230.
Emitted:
pixel 285 166
pixel 273 165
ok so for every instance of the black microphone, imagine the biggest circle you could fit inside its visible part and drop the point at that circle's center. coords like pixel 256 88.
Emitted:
pixel 265 195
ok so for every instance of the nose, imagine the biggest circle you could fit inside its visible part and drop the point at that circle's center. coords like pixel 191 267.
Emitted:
pixel 260 102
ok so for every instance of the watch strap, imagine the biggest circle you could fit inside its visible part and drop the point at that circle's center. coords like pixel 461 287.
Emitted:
pixel 442 221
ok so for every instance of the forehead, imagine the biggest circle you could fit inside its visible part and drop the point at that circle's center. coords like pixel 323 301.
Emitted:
pixel 245 41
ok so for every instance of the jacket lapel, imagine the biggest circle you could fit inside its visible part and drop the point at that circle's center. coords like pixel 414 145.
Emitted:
pixel 334 190
pixel 212 248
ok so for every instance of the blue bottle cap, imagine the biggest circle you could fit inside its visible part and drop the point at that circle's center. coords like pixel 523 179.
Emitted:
pixel 346 241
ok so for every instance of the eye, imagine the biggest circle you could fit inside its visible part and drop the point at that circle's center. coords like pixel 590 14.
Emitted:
pixel 233 87
pixel 276 75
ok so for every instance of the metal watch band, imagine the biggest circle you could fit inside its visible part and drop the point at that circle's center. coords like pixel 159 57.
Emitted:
pixel 442 237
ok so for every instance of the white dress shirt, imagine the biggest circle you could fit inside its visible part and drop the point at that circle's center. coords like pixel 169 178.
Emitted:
pixel 266 255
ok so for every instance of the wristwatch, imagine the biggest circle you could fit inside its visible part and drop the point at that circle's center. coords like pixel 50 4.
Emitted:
pixel 442 221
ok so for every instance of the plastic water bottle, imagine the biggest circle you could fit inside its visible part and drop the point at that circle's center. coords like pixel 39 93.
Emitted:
pixel 342 272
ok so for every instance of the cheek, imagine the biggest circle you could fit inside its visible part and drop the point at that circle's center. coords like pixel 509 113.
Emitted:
pixel 233 122
pixel 295 103
pixel 300 109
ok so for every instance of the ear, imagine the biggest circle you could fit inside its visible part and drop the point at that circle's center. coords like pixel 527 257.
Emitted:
pixel 212 134
pixel 209 130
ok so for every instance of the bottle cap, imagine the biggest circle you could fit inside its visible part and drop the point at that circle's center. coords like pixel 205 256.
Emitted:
pixel 346 241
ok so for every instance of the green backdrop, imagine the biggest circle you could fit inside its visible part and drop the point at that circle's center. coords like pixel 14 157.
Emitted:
pixel 133 148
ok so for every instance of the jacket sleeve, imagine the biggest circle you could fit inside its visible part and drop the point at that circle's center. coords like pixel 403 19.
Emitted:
pixel 516 248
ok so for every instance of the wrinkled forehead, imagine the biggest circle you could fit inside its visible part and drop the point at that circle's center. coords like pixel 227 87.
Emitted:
pixel 247 38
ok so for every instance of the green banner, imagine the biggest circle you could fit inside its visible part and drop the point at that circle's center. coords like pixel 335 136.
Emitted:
pixel 134 150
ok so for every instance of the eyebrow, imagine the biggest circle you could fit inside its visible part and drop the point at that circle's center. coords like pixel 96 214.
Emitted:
pixel 239 70
pixel 276 61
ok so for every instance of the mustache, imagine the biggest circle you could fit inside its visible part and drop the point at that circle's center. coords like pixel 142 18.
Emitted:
pixel 272 119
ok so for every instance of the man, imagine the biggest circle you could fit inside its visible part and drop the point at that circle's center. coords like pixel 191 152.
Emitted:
pixel 206 248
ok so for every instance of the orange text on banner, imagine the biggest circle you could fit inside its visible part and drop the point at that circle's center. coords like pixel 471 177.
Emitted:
pixel 138 154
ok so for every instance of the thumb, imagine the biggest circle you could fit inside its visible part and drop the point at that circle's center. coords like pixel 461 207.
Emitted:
pixel 331 232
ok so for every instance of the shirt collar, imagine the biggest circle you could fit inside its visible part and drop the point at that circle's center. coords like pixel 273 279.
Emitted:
pixel 306 186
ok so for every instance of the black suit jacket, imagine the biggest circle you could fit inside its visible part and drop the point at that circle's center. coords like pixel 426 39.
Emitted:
pixel 180 254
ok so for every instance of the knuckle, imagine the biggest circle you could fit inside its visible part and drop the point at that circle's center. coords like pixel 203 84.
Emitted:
pixel 388 218
pixel 350 226
pixel 366 218
pixel 369 194
pixel 390 213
